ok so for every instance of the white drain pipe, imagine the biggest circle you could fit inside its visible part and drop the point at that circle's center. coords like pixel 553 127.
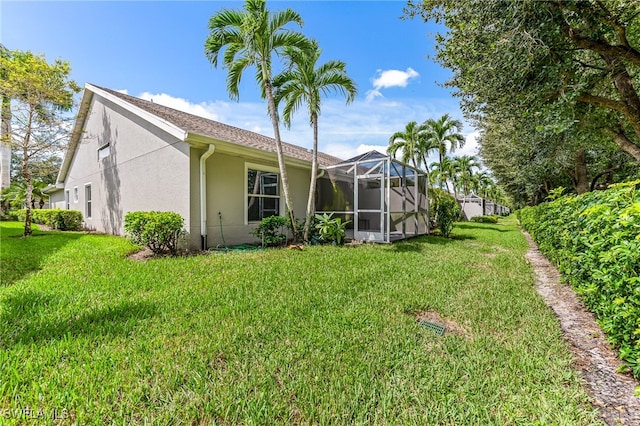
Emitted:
pixel 203 195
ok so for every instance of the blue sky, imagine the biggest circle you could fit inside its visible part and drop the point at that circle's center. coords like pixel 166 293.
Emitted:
pixel 155 50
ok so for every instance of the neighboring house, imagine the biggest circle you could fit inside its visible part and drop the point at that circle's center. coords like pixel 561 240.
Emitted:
pixel 127 154
pixel 472 205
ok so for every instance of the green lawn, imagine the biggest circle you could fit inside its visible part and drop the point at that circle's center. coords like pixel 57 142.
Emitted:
pixel 327 335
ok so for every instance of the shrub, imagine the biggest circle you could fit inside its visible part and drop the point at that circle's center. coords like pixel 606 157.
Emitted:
pixel 272 231
pixel 485 219
pixel 63 220
pixel 444 211
pixel 331 229
pixel 159 231
pixel 594 239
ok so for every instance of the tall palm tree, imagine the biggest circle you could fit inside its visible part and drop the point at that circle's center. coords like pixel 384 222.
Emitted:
pixel 304 82
pixel 445 134
pixel 250 37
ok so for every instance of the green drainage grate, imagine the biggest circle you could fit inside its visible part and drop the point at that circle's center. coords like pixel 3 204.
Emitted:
pixel 438 329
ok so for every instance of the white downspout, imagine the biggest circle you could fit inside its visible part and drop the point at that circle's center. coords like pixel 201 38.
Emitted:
pixel 203 195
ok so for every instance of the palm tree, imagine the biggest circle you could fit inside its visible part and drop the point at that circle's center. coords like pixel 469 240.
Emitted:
pixel 250 37
pixel 444 133
pixel 444 172
pixel 409 141
pixel 464 169
pixel 304 82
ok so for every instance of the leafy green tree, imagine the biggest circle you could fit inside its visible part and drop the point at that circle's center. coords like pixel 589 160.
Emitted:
pixel 444 133
pixel 39 93
pixel 250 38
pixel 544 61
pixel 304 82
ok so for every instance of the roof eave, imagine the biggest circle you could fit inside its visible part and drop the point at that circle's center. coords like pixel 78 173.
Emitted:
pixel 201 141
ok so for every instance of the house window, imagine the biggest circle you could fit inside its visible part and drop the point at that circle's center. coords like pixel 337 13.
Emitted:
pixel 67 200
pixel 87 201
pixel 104 151
pixel 263 198
pixel 75 194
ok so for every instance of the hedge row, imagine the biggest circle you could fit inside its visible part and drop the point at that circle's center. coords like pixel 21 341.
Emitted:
pixel 64 220
pixel 594 239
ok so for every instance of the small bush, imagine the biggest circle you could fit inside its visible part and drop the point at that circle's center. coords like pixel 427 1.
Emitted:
pixel 63 220
pixel 331 230
pixel 485 219
pixel 159 231
pixel 594 238
pixel 272 231
pixel 444 211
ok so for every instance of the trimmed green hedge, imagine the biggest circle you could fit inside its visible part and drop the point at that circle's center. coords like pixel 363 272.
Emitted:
pixel 485 219
pixel 594 239
pixel 63 220
pixel 159 231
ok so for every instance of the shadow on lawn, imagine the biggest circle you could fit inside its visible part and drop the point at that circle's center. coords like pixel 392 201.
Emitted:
pixel 27 318
pixel 21 256
pixel 484 227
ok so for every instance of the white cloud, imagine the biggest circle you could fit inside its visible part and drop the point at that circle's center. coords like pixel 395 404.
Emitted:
pixel 390 78
pixel 206 110
pixel 470 145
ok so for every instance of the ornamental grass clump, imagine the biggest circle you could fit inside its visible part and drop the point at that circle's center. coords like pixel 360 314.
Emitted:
pixel 594 239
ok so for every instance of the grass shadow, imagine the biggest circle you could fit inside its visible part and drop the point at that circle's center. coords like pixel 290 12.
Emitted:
pixel 20 256
pixel 26 319
pixel 485 226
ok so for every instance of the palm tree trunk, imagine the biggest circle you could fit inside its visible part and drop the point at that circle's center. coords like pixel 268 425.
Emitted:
pixel 273 112
pixel 314 175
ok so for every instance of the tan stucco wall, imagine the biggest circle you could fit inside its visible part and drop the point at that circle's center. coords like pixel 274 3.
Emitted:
pixel 147 168
pixel 226 194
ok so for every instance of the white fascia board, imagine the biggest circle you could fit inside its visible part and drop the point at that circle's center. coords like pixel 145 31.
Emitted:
pixel 160 123
pixel 76 133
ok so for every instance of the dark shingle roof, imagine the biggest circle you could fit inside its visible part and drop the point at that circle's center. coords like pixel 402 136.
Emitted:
pixel 216 130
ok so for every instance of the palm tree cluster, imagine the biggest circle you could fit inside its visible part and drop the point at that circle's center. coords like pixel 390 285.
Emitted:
pixel 252 37
pixel 417 142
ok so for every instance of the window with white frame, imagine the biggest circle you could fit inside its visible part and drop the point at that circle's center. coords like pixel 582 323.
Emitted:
pixel 104 151
pixel 87 201
pixel 67 200
pixel 75 194
pixel 263 198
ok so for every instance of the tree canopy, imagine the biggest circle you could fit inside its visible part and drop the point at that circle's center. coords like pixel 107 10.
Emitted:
pixel 569 68
pixel 38 93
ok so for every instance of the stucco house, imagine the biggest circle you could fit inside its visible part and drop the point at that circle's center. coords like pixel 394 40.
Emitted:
pixel 128 154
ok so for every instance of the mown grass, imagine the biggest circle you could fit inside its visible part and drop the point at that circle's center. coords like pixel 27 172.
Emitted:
pixel 327 335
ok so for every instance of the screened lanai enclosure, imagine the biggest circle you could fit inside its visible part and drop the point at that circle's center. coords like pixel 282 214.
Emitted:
pixel 383 199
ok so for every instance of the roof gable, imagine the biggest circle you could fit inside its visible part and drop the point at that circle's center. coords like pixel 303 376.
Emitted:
pixel 219 131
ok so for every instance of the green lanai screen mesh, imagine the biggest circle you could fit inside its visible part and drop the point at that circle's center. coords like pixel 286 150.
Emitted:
pixel 433 327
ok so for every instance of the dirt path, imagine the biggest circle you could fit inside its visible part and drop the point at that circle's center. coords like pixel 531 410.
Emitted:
pixel 612 392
